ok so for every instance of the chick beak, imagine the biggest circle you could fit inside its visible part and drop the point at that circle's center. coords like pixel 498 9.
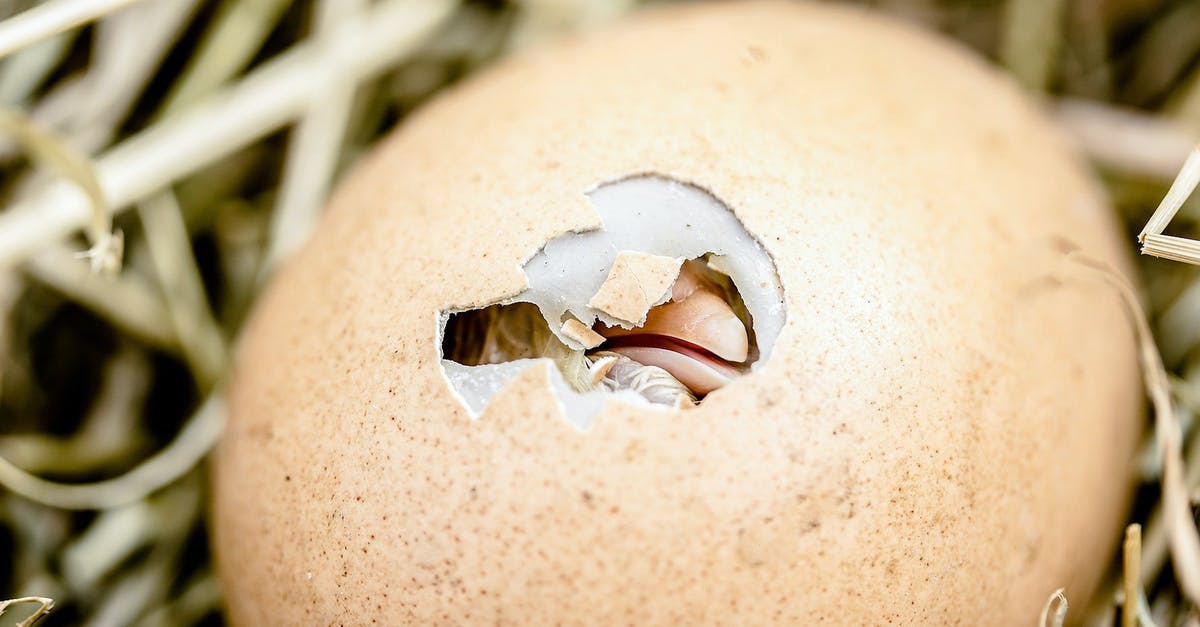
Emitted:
pixel 697 336
pixel 703 319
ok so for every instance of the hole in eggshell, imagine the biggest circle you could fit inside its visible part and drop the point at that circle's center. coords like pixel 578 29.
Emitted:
pixel 695 342
pixel 669 300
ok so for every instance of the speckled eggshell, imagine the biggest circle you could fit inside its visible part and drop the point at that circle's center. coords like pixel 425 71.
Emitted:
pixel 942 435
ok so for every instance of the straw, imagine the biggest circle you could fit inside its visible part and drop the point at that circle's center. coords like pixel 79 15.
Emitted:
pixel 1054 612
pixel 240 29
pixel 23 72
pixel 312 154
pixel 263 101
pixel 182 287
pixel 50 18
pixel 127 49
pixel 1168 246
pixel 45 605
pixel 1132 587
pixel 159 470
pixel 1030 40
pixel 1126 141
pixel 229 160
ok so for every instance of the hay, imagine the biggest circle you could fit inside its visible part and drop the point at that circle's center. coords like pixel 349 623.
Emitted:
pixel 223 124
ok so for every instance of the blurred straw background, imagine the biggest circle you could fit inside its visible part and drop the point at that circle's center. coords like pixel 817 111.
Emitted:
pixel 188 145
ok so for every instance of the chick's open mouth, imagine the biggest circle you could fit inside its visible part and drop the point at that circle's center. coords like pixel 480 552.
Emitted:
pixel 696 336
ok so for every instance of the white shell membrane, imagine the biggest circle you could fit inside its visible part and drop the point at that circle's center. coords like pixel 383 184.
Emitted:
pixel 644 213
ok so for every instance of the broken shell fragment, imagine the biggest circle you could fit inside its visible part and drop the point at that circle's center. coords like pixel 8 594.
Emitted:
pixel 581 333
pixel 635 283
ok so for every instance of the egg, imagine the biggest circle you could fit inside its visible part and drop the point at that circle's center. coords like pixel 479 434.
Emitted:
pixel 749 313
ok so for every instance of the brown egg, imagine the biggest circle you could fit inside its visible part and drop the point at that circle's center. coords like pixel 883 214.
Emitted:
pixel 933 424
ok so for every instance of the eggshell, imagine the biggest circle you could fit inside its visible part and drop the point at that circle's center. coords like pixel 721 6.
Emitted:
pixel 635 283
pixel 581 333
pixel 942 434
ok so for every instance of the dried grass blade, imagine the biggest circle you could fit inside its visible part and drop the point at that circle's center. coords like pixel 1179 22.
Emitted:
pixel 1177 329
pixel 110 539
pixel 1030 40
pixel 269 97
pixel 50 18
pixel 200 596
pixel 1186 103
pixel 1145 617
pixel 130 593
pixel 1163 53
pixel 182 287
pixel 23 72
pixel 127 300
pixel 1054 612
pixel 51 152
pixel 1131 575
pixel 1176 507
pixel 238 33
pixel 1185 183
pixel 110 431
pixel 1173 248
pixel 313 149
pixel 127 48
pixel 45 603
pixel 1124 140
pixel 163 468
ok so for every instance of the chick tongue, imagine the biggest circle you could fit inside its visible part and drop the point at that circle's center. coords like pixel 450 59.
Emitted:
pixel 700 372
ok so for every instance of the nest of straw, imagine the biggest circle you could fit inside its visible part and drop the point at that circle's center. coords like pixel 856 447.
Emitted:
pixel 160 157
